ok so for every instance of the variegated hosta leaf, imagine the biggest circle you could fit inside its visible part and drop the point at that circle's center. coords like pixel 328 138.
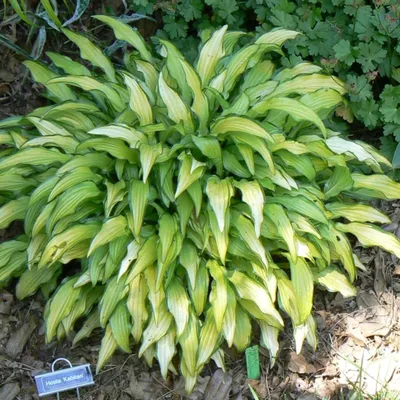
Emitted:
pixel 177 109
pixel 357 213
pixel 209 337
pixel 120 326
pixel 92 53
pixel 190 171
pixel 219 294
pixel 107 349
pixel 219 193
pixel 303 287
pixel 138 101
pixel 194 201
pixel 269 339
pixel 178 305
pixel 370 235
pixel 279 218
pixel 138 199
pixel 136 304
pixel 125 32
pixel 335 281
pixel 60 306
pixel 249 289
pixel 210 54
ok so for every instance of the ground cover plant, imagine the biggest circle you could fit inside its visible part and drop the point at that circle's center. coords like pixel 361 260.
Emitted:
pixel 356 39
pixel 178 206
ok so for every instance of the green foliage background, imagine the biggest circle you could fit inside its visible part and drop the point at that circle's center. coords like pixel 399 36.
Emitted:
pixel 356 39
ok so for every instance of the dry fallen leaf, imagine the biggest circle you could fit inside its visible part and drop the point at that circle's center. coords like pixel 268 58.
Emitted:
pixel 353 330
pixel 379 372
pixel 374 329
pixel 9 391
pixel 219 386
pixel 397 270
pixel 143 387
pixel 259 386
pixel 6 301
pixel 325 388
pixel 17 341
pixel 380 283
pixel 300 365
pixel 330 370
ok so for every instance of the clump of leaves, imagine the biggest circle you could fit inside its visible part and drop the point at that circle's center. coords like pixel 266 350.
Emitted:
pixel 194 201
pixel 357 39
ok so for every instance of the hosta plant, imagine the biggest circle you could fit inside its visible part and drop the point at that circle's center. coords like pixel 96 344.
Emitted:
pixel 179 206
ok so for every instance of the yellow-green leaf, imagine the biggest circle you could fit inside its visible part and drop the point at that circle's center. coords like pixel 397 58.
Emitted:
pixel 242 336
pixel 189 342
pixel 70 200
pixel 138 100
pixel 177 109
pixel 210 54
pixel 136 304
pixel 155 331
pixel 92 53
pixel 334 281
pixel 178 305
pixel 107 349
pixel 303 287
pixel 229 323
pixel 371 235
pixel 200 102
pixel 124 32
pixel 209 336
pixel 148 156
pixel 64 241
pixel 381 185
pixel 120 326
pixel 138 200
pixel 190 261
pixel 221 238
pixel 294 108
pixel 13 210
pixel 60 306
pixel 219 293
pixel 249 289
pixel 253 195
pixel 34 157
pixel 277 36
pixel 240 124
pixel 280 219
pixel 190 171
pixel 357 213
pixel 166 349
pixel 120 131
pixel 219 192
pixel 146 257
pixel 339 181
pixel 111 229
pixel 248 235
pixel 114 292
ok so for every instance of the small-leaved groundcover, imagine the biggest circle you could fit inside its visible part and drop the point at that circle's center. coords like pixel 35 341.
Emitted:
pixel 185 203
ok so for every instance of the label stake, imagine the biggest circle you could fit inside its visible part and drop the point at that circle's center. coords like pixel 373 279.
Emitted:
pixel 253 363
pixel 64 379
